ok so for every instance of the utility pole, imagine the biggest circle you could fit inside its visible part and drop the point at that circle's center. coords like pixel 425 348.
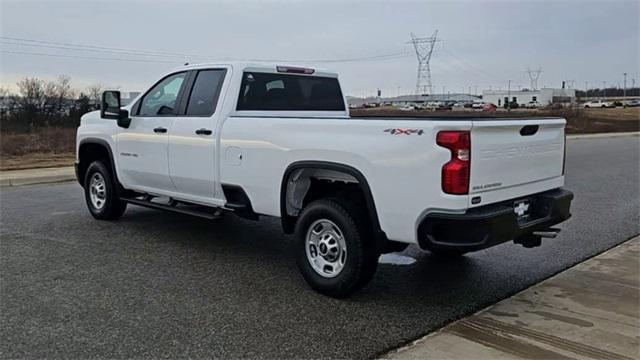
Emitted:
pixel 604 89
pixel 509 96
pixel 398 90
pixel 424 48
pixel 476 93
pixel 624 92
pixel 442 93
pixel 586 89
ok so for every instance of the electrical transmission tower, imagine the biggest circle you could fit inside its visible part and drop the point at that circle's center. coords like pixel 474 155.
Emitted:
pixel 424 48
pixel 534 75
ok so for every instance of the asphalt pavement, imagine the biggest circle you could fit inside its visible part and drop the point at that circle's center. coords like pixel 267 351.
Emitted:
pixel 156 284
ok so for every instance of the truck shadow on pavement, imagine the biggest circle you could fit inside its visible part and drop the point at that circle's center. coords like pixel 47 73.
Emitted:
pixel 258 244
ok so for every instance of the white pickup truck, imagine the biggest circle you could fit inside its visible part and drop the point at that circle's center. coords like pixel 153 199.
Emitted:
pixel 262 140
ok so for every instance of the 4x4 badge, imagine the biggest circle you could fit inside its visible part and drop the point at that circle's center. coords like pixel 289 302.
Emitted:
pixel 399 131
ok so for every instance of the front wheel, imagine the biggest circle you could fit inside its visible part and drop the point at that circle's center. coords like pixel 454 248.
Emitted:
pixel 100 193
pixel 334 249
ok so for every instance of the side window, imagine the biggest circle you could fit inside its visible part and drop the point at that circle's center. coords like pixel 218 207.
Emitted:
pixel 205 92
pixel 162 98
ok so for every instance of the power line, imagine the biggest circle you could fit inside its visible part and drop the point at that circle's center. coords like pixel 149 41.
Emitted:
pixel 84 57
pixel 79 45
pixel 182 56
pixel 488 75
pixel 63 47
pixel 470 71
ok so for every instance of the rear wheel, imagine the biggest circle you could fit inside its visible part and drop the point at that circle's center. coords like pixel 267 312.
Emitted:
pixel 334 249
pixel 100 193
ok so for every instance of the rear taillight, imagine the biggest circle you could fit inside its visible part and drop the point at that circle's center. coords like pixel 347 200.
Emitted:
pixel 455 173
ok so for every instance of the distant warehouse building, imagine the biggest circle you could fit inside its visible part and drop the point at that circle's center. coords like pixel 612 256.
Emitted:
pixel 524 97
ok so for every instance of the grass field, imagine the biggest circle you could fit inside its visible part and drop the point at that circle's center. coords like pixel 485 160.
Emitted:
pixel 46 147
pixel 579 121
pixel 614 114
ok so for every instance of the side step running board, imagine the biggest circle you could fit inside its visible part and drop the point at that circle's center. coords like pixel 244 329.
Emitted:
pixel 152 205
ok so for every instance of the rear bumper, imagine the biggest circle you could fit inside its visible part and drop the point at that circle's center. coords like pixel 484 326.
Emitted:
pixel 486 226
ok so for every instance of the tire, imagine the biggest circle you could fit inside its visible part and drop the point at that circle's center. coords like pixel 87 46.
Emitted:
pixel 337 223
pixel 100 193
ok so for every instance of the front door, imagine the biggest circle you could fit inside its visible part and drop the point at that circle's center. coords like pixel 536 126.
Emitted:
pixel 142 148
pixel 192 141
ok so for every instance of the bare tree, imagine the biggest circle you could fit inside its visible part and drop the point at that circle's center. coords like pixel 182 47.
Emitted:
pixel 49 98
pixel 94 92
pixel 32 94
pixel 64 91
pixel 4 92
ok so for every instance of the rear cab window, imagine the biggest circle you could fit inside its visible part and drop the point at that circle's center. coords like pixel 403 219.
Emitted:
pixel 261 91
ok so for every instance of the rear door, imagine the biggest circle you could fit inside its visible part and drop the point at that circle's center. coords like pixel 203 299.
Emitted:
pixel 193 138
pixel 511 158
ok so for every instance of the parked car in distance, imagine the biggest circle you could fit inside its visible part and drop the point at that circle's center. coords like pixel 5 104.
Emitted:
pixel 631 103
pixel 489 107
pixel 445 106
pixel 533 105
pixel 597 104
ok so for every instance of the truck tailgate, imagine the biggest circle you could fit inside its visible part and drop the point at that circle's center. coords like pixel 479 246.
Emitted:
pixel 511 158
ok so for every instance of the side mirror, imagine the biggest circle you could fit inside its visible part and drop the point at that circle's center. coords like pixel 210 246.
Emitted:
pixel 110 108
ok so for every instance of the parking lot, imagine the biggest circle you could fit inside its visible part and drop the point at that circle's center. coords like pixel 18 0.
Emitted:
pixel 156 284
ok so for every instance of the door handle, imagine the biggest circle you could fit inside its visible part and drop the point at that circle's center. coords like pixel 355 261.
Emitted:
pixel 204 132
pixel 160 130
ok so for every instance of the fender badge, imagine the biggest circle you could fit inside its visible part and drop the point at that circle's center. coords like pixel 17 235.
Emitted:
pixel 399 131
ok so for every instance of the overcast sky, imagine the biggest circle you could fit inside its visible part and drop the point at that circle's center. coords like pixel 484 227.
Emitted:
pixel 485 43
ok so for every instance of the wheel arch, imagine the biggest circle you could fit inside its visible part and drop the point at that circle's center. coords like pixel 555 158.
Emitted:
pixel 288 221
pixel 91 149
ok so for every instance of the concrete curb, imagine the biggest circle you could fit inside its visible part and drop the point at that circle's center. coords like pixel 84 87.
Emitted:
pixel 36 176
pixel 603 135
pixel 35 181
